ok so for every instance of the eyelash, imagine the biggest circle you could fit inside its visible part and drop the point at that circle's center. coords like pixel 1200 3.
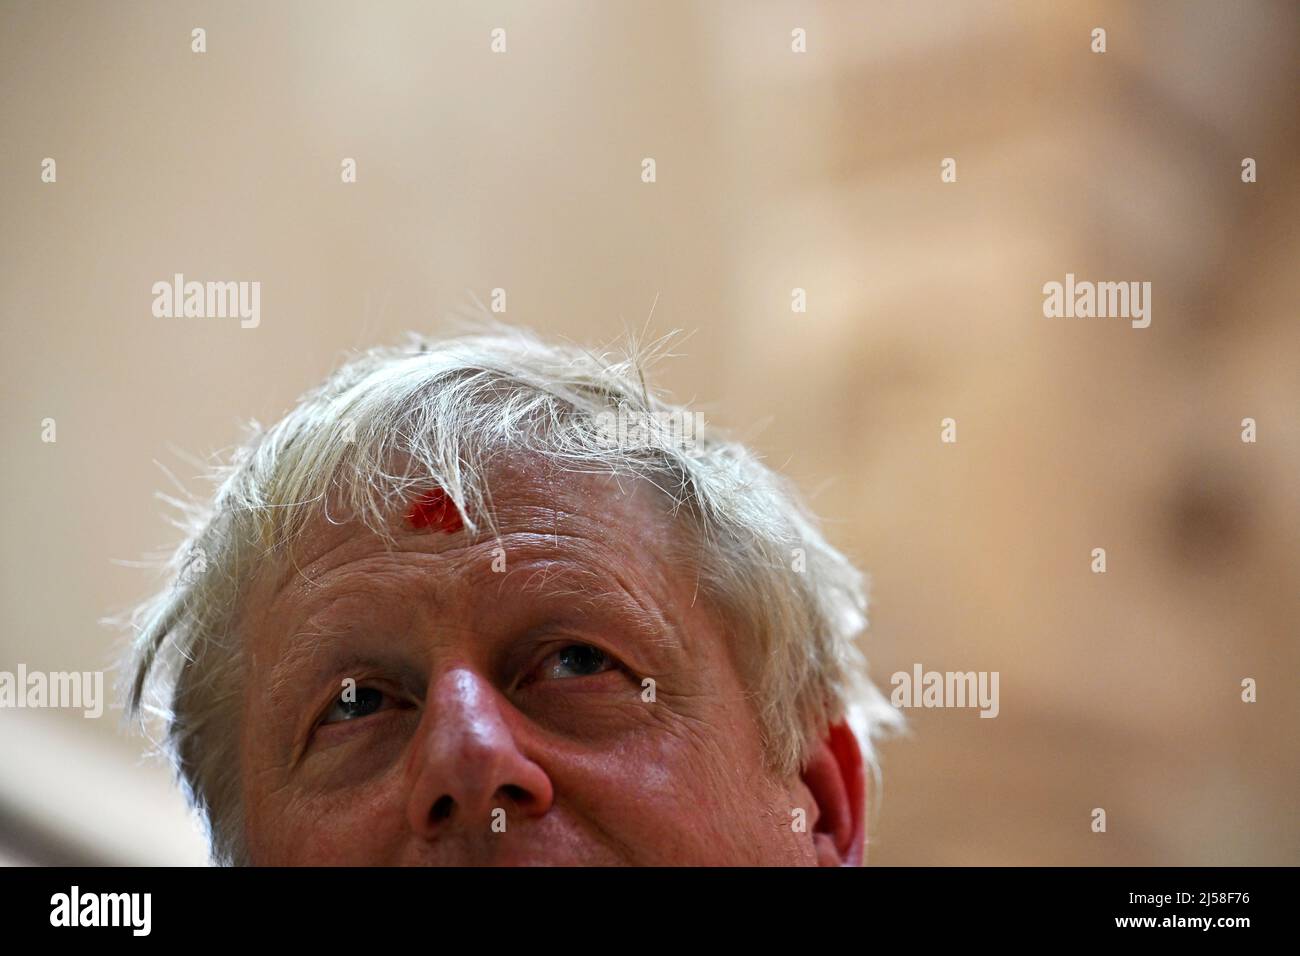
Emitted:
pixel 387 697
pixel 608 661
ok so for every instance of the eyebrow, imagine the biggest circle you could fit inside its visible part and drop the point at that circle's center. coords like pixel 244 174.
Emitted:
pixel 649 623
pixel 302 650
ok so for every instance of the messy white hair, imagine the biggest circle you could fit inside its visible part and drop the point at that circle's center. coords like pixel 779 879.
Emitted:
pixel 794 605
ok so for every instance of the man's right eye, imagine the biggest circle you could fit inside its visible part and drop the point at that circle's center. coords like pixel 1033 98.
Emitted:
pixel 355 703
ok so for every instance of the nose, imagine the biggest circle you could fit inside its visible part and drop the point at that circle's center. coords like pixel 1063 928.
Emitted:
pixel 466 763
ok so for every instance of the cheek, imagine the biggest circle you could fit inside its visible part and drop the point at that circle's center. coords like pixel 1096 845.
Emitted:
pixel 688 794
pixel 343 828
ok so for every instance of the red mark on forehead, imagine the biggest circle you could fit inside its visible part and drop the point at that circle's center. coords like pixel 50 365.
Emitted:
pixel 435 511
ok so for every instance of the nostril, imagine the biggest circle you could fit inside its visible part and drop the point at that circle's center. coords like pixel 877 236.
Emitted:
pixel 442 808
pixel 515 793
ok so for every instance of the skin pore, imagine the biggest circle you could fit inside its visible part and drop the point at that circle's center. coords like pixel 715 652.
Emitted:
pixel 516 695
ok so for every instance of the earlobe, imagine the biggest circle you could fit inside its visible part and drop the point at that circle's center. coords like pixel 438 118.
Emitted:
pixel 834 776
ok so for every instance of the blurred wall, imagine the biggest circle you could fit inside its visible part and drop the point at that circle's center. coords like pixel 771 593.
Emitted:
pixel 775 170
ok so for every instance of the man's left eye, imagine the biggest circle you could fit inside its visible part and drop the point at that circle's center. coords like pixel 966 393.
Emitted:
pixel 575 660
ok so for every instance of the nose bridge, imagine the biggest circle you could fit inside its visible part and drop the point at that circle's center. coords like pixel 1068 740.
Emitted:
pixel 465 718
pixel 465 761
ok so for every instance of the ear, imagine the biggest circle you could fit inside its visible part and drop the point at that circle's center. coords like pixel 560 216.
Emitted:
pixel 834 777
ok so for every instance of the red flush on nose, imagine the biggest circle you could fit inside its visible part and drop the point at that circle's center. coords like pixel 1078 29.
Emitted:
pixel 435 511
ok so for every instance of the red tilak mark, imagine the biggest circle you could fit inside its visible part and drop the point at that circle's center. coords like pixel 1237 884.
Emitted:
pixel 435 511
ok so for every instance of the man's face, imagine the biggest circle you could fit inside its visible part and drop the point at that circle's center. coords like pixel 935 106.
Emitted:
pixel 502 710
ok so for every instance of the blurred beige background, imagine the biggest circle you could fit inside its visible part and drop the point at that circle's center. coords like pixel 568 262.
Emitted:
pixel 776 170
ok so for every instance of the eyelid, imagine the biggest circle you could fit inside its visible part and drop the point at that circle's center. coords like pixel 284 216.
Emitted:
pixel 390 689
pixel 552 648
pixel 387 698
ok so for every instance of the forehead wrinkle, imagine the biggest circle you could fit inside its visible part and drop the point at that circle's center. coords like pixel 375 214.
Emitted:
pixel 297 569
pixel 364 563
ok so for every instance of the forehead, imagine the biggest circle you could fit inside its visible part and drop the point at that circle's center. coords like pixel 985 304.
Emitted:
pixel 535 507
